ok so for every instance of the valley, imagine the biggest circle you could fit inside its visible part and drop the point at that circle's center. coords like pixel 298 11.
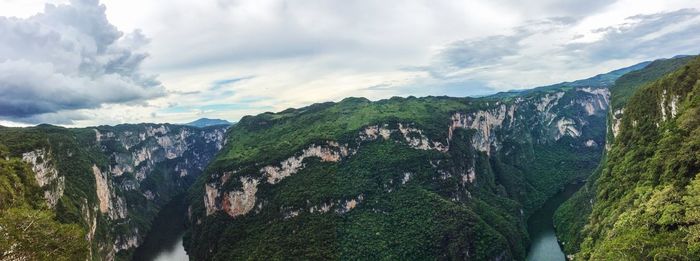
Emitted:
pixel 401 178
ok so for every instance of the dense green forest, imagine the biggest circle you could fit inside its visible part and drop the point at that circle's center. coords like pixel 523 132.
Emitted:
pixel 572 216
pixel 424 190
pixel 645 194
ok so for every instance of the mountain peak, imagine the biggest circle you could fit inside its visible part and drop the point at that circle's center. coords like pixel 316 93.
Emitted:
pixel 206 122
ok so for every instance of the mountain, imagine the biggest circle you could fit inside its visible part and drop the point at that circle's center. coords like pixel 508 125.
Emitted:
pixel 600 80
pixel 403 178
pixel 643 202
pixel 205 122
pixel 571 217
pixel 92 192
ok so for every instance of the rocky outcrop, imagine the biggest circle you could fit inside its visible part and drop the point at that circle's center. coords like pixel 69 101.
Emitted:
pixel 616 121
pixel 46 175
pixel 489 128
pixel 135 151
pixel 414 137
pixel 102 188
pixel 485 122
pixel 502 117
pixel 566 127
pixel 330 152
pixel 237 203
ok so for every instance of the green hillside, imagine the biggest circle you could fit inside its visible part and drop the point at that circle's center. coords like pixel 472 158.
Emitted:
pixel 646 195
pixel 403 178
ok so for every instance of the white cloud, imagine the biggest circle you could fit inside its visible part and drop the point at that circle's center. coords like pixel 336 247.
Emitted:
pixel 301 52
pixel 68 58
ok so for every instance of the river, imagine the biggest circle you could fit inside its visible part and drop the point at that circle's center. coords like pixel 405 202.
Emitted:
pixel 540 226
pixel 164 241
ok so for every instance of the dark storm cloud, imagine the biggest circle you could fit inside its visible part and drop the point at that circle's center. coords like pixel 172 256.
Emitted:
pixel 68 58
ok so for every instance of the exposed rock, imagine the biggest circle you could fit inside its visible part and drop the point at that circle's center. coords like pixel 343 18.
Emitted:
pixel 566 127
pixel 590 143
pixel 130 240
pixel 210 195
pixel 671 103
pixel 469 176
pixel 241 202
pixel 485 122
pixel 374 132
pixel 117 208
pixel 406 177
pixel 102 189
pixel 323 208
pixel 617 120
pixel 548 101
pixel 414 137
pixel 350 204
pixel 331 152
pixel 46 175
pixel 417 140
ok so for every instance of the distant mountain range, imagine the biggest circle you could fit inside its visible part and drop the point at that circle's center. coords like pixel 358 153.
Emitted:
pixel 206 122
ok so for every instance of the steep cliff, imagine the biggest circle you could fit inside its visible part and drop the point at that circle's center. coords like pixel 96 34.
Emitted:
pixel 572 216
pixel 403 178
pixel 645 197
pixel 110 181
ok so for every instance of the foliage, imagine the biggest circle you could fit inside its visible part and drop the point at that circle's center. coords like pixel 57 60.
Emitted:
pixel 73 152
pixel 435 214
pixel 646 204
pixel 28 234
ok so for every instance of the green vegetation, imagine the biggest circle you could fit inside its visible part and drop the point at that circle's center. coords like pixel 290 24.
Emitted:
pixel 646 202
pixel 73 152
pixel 28 230
pixel 435 214
pixel 29 234
pixel 629 83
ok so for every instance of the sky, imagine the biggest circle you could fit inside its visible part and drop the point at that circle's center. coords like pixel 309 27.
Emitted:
pixel 90 62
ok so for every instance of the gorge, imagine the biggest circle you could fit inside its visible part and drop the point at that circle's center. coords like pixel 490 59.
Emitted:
pixel 400 178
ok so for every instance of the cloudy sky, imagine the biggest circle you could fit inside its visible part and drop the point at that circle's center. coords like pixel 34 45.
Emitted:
pixel 89 62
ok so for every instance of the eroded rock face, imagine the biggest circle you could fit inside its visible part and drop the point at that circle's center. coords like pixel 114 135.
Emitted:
pixel 596 103
pixel 485 122
pixel 490 126
pixel 241 202
pixel 102 188
pixel 668 106
pixel 331 152
pixel 46 175
pixel 566 127
pixel 414 137
pixel 151 145
pixel 617 120
pixel 137 150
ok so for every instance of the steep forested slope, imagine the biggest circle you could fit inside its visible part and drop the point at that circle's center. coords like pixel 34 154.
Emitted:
pixel 95 190
pixel 646 203
pixel 404 178
pixel 571 217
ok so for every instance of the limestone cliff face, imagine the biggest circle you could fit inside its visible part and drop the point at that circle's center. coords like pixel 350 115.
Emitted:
pixel 46 175
pixel 125 186
pixel 129 171
pixel 553 116
pixel 330 161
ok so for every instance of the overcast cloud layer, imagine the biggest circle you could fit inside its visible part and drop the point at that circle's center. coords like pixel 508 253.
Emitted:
pixel 71 63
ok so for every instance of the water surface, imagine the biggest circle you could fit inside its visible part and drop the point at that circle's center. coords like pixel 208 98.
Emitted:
pixel 540 226
pixel 164 241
